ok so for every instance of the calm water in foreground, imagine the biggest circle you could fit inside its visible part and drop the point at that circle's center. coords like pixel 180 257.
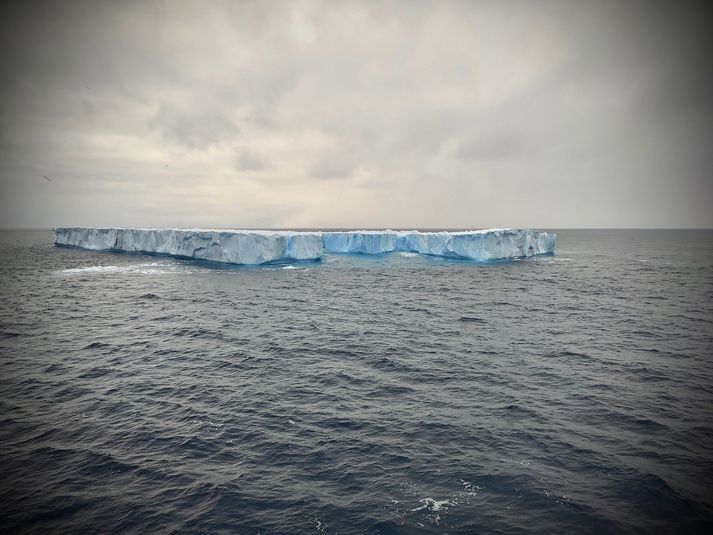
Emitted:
pixel 392 394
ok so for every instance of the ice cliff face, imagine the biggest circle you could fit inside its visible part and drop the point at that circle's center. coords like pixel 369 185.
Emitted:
pixel 231 247
pixel 261 247
pixel 489 244
pixel 360 241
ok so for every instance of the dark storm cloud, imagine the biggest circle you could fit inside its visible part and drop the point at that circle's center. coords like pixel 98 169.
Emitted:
pixel 356 114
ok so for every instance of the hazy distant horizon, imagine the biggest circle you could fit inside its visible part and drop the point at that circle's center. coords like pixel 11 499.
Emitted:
pixel 553 114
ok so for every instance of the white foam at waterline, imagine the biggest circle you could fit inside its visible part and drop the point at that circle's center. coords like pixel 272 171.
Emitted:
pixel 148 269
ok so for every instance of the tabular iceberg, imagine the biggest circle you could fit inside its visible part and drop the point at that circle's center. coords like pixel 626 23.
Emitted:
pixel 253 247
pixel 227 246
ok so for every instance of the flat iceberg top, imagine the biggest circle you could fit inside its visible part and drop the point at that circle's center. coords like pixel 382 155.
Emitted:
pixel 291 232
pixel 235 246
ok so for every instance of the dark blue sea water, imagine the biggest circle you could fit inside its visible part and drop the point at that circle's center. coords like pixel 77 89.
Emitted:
pixel 392 394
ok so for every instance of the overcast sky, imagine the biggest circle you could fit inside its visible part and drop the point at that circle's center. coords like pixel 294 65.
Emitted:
pixel 409 114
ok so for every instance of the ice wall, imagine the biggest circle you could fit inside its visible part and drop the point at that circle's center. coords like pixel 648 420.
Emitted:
pixel 228 246
pixel 488 244
pixel 263 246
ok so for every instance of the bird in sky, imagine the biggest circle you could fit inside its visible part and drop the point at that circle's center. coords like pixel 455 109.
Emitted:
pixel 48 179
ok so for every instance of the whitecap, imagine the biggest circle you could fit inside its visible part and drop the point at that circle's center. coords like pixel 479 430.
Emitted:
pixel 319 525
pixel 432 505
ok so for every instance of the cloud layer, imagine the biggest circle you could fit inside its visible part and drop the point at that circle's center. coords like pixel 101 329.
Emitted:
pixel 356 114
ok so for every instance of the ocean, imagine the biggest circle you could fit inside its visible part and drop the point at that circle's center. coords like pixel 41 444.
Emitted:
pixel 388 394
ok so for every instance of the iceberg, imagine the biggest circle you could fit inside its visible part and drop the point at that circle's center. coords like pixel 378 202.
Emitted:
pixel 253 247
pixel 481 245
pixel 226 246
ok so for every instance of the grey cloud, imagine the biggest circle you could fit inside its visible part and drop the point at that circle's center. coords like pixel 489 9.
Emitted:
pixel 490 147
pixel 333 166
pixel 195 127
pixel 577 113
pixel 249 161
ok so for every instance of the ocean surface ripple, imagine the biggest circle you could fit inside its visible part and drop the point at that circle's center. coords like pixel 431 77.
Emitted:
pixel 389 394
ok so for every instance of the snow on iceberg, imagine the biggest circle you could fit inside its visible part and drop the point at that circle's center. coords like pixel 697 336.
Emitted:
pixel 264 246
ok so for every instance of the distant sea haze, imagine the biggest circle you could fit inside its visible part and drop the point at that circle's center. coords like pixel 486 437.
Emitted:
pixel 393 393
